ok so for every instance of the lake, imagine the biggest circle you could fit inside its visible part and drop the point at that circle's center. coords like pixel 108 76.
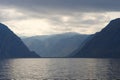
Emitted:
pixel 60 69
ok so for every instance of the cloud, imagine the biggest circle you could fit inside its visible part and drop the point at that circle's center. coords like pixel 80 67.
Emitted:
pixel 56 8
pixel 74 5
pixel 34 17
pixel 11 14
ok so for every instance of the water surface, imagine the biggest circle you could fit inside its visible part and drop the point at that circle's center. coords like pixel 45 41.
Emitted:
pixel 60 69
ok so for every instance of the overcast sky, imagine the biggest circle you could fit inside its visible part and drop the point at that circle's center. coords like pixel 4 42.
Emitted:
pixel 44 17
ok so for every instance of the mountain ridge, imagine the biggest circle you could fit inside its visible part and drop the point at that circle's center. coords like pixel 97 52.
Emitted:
pixel 104 44
pixel 11 46
pixel 59 45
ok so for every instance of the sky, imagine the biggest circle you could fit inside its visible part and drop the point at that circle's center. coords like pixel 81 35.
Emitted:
pixel 46 17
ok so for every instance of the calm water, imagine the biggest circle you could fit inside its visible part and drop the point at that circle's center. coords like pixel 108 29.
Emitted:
pixel 60 69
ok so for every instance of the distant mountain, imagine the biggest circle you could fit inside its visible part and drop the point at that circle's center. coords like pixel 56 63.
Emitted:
pixel 81 46
pixel 11 46
pixel 104 44
pixel 59 45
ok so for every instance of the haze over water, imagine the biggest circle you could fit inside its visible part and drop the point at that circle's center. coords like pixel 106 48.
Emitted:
pixel 60 69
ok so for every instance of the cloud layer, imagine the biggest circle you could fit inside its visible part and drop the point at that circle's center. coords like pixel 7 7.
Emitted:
pixel 39 17
pixel 71 5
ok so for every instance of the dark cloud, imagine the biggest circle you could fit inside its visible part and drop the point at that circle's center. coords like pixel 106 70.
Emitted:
pixel 49 8
pixel 63 5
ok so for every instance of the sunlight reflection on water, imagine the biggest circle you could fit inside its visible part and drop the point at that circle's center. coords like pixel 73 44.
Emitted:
pixel 60 69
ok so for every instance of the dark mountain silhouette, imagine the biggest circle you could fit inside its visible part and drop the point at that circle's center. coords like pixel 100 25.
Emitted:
pixel 11 46
pixel 58 45
pixel 104 44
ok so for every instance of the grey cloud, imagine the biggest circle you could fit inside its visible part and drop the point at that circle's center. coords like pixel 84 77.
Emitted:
pixel 53 11
pixel 63 5
pixel 78 20
pixel 48 8
pixel 9 14
pixel 98 20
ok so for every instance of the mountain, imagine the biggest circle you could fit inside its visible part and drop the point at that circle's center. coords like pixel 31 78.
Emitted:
pixel 12 46
pixel 104 44
pixel 81 46
pixel 58 45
